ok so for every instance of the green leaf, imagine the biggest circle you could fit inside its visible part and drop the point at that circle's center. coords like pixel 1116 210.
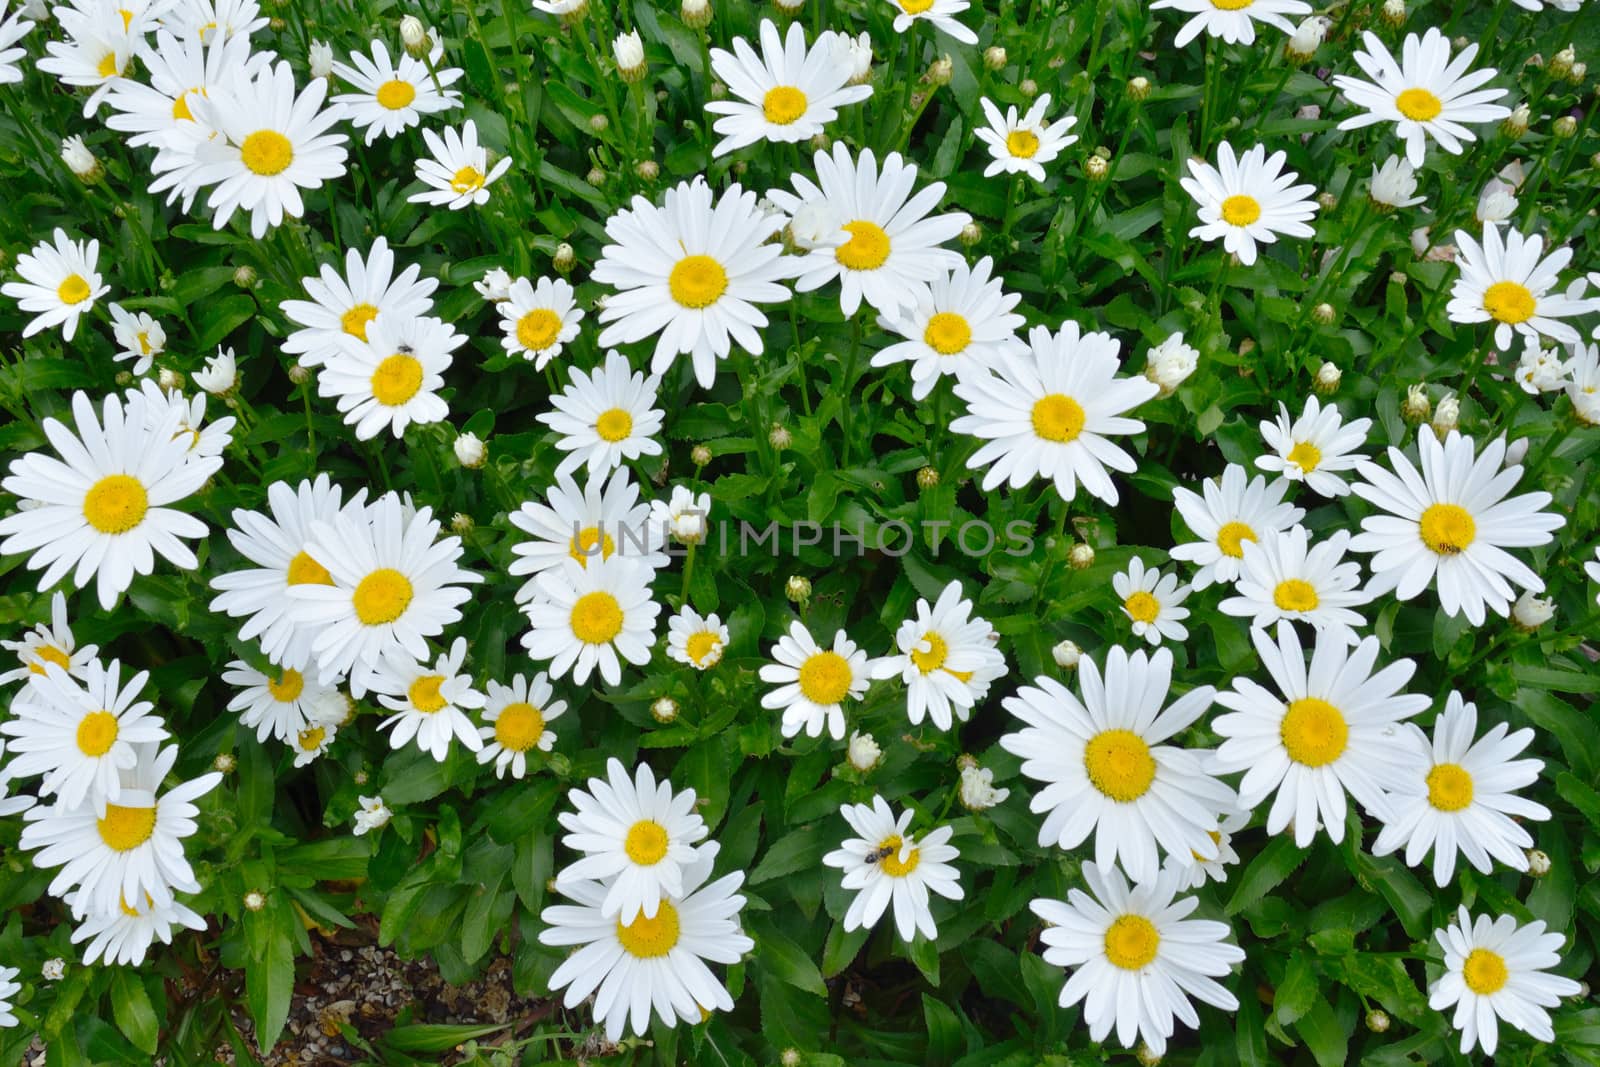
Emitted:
pixel 787 960
pixel 1297 993
pixel 269 987
pixel 945 1041
pixel 1274 863
pixel 130 1006
pixel 1326 1039
pixel 798 850
pixel 437 1037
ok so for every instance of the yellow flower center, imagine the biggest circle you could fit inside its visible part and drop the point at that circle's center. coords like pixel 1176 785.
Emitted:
pixel 519 726
pixel 614 425
pixel 1447 529
pixel 125 829
pixel 1295 594
pixel 697 281
pixel 144 342
pixel 1232 536
pixel 397 380
pixel 589 543
pixel 1418 105
pixel 303 570
pixel 1240 210
pixel 382 596
pixel 1305 455
pixel 311 738
pixel 1231 5
pixel 467 180
pixel 783 104
pixel 266 152
pixel 1057 417
pixel 1022 143
pixel 646 843
pixel 649 939
pixel 1484 972
pixel 596 618
pixel 354 322
pixel 931 660
pixel 948 333
pixel 115 504
pixel 74 289
pixel 1142 607
pixel 538 329
pixel 1449 787
pixel 1119 764
pixel 395 94
pixel 867 249
pixel 288 687
pixel 1132 940
pixel 1313 732
pixel 424 694
pixel 825 678
pixel 107 67
pixel 97 732
pixel 180 107
pixel 891 864
pixel 49 654
pixel 915 7
pixel 1509 302
pixel 701 645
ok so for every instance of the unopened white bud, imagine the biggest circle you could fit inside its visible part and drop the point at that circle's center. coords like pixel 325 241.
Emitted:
pixel 1328 377
pixel 864 752
pixel 220 374
pixel 320 58
pixel 628 51
pixel 1447 416
pixel 1378 1021
pixel 696 14
pixel 1531 612
pixel 414 36
pixel 1394 12
pixel 1307 38
pixel 1170 363
pixel 224 763
pixel 1066 654
pixel 254 901
pixel 471 452
pixel 779 436
pixel 1538 862
pixel 53 969
pixel 564 259
pixel 1417 407
pixel 664 710
pixel 994 57
pixel 797 589
pixel 79 159
pixel 1515 124
pixel 1080 557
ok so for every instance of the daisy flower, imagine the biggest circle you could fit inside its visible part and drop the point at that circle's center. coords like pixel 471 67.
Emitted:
pixel 684 516
pixel 784 95
pixel 1452 520
pixel 96 50
pixel 696 640
pixel 1108 770
pixel 1201 870
pixel 458 175
pixel 518 717
pixel 606 416
pixel 283 703
pixel 539 319
pixel 1334 729
pixel 429 702
pixel 1285 577
pixel 691 272
pixel 604 519
pixel 210 20
pixel 313 741
pixel 1314 448
pixel 1495 970
pixel 593 615
pixel 1050 414
pixel 885 864
pixel 814 682
pixel 964 322
pixel 1460 795
pixel 941 650
pixel 59 283
pixel 102 510
pixel 1152 600
pixel 940 14
pixel 373 814
pixel 206 441
pixel 393 380
pixel 1509 281
pixel 341 307
pixel 139 338
pixel 1227 513
pixel 10 805
pixel 636 836
pixel 13 28
pixel 1426 94
pixel 1136 957
pixel 132 851
pixel 9 988
pixel 1234 21
pixel 1592 568
pixel 179 69
pixel 124 934
pixel 650 965
pixel 47 644
pixel 393 94
pixel 1584 387
pixel 1024 145
pixel 877 238
pixel 1248 198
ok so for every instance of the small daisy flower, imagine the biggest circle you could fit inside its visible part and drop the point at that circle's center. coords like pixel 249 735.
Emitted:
pixel 1509 281
pixel 518 717
pixel 393 380
pixel 458 175
pixel 942 650
pixel 283 703
pixel 940 14
pixel 1285 577
pixel 539 319
pixel 1152 600
pixel 1226 514
pixel 139 338
pixel 47 644
pixel 784 95
pixel 10 805
pixel 393 94
pixel 1203 870
pixel 430 701
pixel 207 441
pixel 594 615
pixel 606 416
pixel 210 20
pixel 1233 21
pixel 964 322
pixel 59 283
pixel 312 741
pixel 814 682
pixel 1496 970
pixel 123 935
pixel 696 640
pixel 374 814
pixel 1249 198
pixel 341 307
pixel 1314 448
pixel 684 516
pixel 885 864
pixel 603 519
pixel 158 115
pixel 1024 145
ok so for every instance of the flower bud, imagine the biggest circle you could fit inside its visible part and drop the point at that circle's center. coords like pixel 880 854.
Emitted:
pixel 495 285
pixel 1561 63
pixel 1417 407
pixel 1170 363
pixel 797 589
pixel 628 50
pixel 791 1056
pixel 224 763
pixel 864 752
pixel 220 374
pixel 994 58
pixel 859 49
pixel 254 901
pixel 598 123
pixel 471 452
pixel 1578 73
pixel 1080 557
pixel 1538 862
pixel 1066 654
pixel 1028 88
pixel 1327 201
pixel 564 259
pixel 1497 202
pixel 1531 612
pixel 927 478
pixel 1096 169
pixel 1446 416
pixel 1394 185
pixel 664 710
pixel 414 36
pixel 124 378
pixel 1516 452
pixel 245 277
pixel 54 969
pixel 1378 1021
pixel 299 373
pixel 647 169
pixel 320 58
pixel 1515 124
pixel 1323 314
pixel 941 71
pixel 696 14
pixel 700 455
pixel 1564 127
pixel 1146 1055
pixel 970 235
pixel 76 155
pixel 1393 13
pixel 779 436
pixel 461 523
pixel 977 786
pixel 1138 88
pixel 1306 39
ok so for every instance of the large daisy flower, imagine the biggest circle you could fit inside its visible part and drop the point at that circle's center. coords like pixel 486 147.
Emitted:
pixel 1227 513
pixel 603 519
pixel 940 14
pixel 393 94
pixel 458 174
pixel 1234 21
pixel 393 380
pixel 885 864
pixel 1494 970
pixel 606 416
pixel 179 69
pixel 1286 577
pixel 964 322
pixel 59 283
pixel 341 307
pixel 592 615
pixel 95 52
pixel 1509 281
pixel 786 94
pixel 814 682
pixel 1249 198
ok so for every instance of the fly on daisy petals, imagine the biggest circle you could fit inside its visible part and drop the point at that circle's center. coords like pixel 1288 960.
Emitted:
pixel 887 865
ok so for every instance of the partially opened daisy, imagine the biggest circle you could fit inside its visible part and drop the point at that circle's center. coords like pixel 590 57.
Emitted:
pixel 205 440
pixel 1426 94
pixel 1286 577
pixel 1233 21
pixel 1153 602
pixel 430 700
pixel 518 717
pixel 814 682
pixel 342 306
pixel 603 519
pixel 885 864
pixel 1459 795
pixel 1050 414
pixel 1135 955
pixel 1202 870
pixel 963 322
pixel 392 380
pixel 1109 769
pixel 941 651
pixel 684 516
pixel 59 283
pixel 592 616
pixel 1315 448
pixel 1227 513
pixel 1248 198
pixel 1584 388
pixel 538 319
pixel 1495 970
pixel 124 934
pixel 282 703
pixel 458 174
pixel 606 416
pixel 695 639
pixel 1023 145
pixel 393 94
pixel 786 93
pixel 46 644
pixel 1450 522
pixel 1333 730
pixel 102 510
pixel 139 337
pixel 940 14
pixel 1509 281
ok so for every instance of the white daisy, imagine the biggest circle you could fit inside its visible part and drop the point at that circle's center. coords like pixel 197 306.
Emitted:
pixel 1495 970
pixel 393 380
pixel 1023 145
pixel 591 615
pixel 458 175
pixel 394 94
pixel 179 68
pixel 373 814
pixel 696 640
pixel 341 308
pixel 1202 870
pixel 13 28
pixel 11 805
pixel 1592 568
pixel 963 323
pixel 430 702
pixel 313 741
pixel 1248 198
pixel 9 988
pixel 1584 387
pixel 885 864
pixel 604 519
pixel 206 441
pixel 212 19
pixel 539 319
pixel 1153 601
pixel 940 14
pixel 606 416
pixel 784 95
pixel 1314 448
pixel 139 338
pixel 518 717
pixel 1050 414
pixel 124 934
pixel 95 52
pixel 1452 520
pixel 814 682
pixel 1285 577
pixel 684 515
pixel 59 283
pixel 942 649
pixel 1509 281
pixel 283 703
pixel 47 644
pixel 1226 513
pixel 1234 21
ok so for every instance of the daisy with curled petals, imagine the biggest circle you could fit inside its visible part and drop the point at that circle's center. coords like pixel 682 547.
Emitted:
pixel 636 835
pixel 1315 448
pixel 1333 730
pixel 684 515
pixel 814 682
pixel 877 238
pixel 691 272
pixel 1460 795
pixel 13 28
pixel 606 416
pixel 940 14
pixel 458 175
pixel 1202 870
pixel 124 934
pixel 1426 94
pixel 539 319
pixel 603 519
pixel 1024 145
pixel 1108 769
pixel 341 307
pixel 46 644
pixel 963 322
pixel 1287 578
pixel 139 337
pixel 650 965
pixel 1248 198
pixel 1051 414
pixel 594 615
pixel 393 380
pixel 1496 970
pixel 1509 281
pixel 885 864
pixel 102 511
pixel 1449 523
pixel 696 640
pixel 941 651
pixel 1136 956
pixel 95 51
pixel 1153 601
pixel 1225 514
pixel 430 702
pixel 133 850
pixel 1234 21
pixel 518 717
pixel 785 94
pixel 281 703
pixel 59 283
pixel 393 94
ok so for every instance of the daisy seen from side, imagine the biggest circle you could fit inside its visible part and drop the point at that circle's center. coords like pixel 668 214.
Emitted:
pixel 48 643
